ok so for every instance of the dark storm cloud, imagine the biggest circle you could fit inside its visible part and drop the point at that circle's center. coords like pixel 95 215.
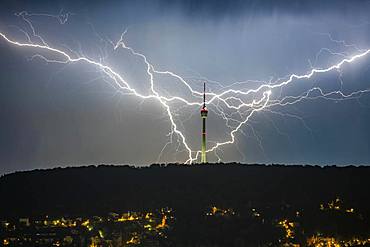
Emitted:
pixel 216 8
pixel 59 115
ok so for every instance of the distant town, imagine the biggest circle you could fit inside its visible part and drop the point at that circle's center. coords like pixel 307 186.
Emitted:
pixel 211 219
pixel 131 228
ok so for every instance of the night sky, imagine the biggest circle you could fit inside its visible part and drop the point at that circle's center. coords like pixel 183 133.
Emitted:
pixel 54 114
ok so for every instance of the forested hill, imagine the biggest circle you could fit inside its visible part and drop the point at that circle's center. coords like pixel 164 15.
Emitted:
pixel 186 189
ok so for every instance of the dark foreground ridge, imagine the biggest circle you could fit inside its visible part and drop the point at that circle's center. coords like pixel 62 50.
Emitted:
pixel 197 205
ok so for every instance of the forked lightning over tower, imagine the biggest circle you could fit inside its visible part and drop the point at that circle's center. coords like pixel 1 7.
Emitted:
pixel 204 113
pixel 227 101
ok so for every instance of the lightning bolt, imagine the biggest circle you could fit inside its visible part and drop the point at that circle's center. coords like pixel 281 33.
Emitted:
pixel 236 107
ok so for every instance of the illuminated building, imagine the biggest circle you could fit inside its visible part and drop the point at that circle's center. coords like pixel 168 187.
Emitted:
pixel 24 221
pixel 204 113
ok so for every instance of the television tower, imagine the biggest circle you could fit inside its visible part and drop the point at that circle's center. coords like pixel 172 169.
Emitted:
pixel 204 113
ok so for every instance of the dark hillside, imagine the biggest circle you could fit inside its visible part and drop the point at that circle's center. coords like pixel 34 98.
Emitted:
pixel 198 205
pixel 105 188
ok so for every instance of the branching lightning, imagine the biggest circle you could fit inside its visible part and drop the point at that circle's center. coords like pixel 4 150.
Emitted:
pixel 236 107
